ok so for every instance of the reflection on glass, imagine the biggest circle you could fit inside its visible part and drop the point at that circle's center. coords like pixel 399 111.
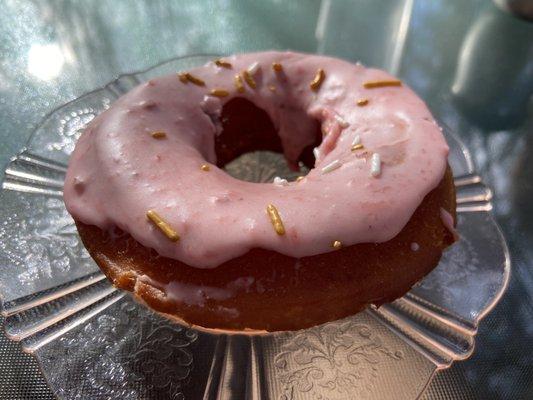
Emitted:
pixel 522 8
pixel 494 76
pixel 372 32
pixel 45 61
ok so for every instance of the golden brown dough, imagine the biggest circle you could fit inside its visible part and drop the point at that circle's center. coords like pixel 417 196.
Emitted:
pixel 282 296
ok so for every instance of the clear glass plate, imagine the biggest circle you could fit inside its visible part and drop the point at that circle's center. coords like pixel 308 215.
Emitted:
pixel 94 341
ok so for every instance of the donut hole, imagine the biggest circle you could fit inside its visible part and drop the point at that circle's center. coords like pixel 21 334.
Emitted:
pixel 249 147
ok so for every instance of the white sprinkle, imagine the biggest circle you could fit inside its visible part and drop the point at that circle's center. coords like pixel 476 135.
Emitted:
pixel 415 246
pixel 280 181
pixel 375 166
pixel 343 124
pixel 356 140
pixel 332 166
pixel 252 69
pixel 316 153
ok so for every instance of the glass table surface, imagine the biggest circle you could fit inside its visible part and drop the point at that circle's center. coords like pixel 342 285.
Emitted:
pixel 471 62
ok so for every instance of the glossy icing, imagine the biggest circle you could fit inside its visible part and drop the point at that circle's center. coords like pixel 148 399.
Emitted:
pixel 118 171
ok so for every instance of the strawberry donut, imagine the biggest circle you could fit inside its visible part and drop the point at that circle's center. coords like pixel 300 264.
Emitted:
pixel 162 218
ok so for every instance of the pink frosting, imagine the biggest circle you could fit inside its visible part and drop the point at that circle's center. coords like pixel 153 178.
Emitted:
pixel 118 171
pixel 449 223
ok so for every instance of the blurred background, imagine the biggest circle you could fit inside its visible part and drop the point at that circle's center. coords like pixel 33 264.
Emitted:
pixel 471 61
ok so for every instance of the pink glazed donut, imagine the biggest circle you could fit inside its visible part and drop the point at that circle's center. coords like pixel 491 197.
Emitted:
pixel 161 217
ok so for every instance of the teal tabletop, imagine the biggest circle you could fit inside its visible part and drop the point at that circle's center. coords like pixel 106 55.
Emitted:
pixel 471 61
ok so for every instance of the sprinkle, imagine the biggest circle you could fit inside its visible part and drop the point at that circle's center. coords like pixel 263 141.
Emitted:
pixel 336 244
pixel 205 167
pixel 249 79
pixel 379 84
pixel 343 124
pixel 375 166
pixel 362 102
pixel 356 140
pixel 195 80
pixel 147 105
pixel 186 77
pixel 159 135
pixel 277 67
pixel 272 212
pixel 317 80
pixel 316 152
pixel 238 83
pixel 219 92
pixel 252 69
pixel 223 64
pixel 332 166
pixel 300 178
pixel 163 225
pixel 280 181
pixel 358 146
pixel 272 88
pixel 415 246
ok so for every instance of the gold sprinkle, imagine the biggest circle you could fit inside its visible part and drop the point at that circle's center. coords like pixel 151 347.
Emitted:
pixel 249 79
pixel 238 83
pixel 317 80
pixel 205 167
pixel 223 64
pixel 272 88
pixel 336 244
pixel 219 92
pixel 277 67
pixel 362 102
pixel 300 178
pixel 159 135
pixel 163 225
pixel 379 84
pixel 358 146
pixel 272 212
pixel 186 77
